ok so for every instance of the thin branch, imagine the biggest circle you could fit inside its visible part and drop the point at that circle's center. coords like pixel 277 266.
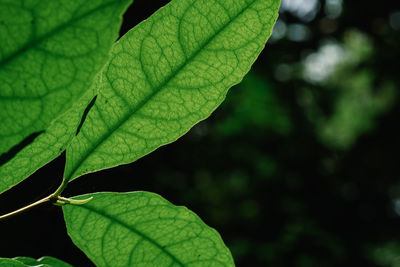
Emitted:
pixel 58 200
pixel 37 203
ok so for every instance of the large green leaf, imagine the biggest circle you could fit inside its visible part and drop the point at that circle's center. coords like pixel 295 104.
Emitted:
pixel 143 229
pixel 50 52
pixel 22 160
pixel 44 261
pixel 46 146
pixel 167 74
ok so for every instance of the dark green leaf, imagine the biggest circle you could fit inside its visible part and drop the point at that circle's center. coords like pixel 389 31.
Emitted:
pixel 11 263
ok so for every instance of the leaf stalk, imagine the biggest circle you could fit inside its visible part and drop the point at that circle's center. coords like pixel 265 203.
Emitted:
pixel 37 203
pixel 54 197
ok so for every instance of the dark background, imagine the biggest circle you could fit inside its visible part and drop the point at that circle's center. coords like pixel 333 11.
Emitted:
pixel 298 167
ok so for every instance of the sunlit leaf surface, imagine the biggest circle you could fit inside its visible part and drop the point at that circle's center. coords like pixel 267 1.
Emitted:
pixel 167 74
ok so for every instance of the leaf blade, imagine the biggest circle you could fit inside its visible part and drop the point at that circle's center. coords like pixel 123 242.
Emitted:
pixel 11 263
pixel 49 54
pixel 22 160
pixel 45 147
pixel 151 98
pixel 142 228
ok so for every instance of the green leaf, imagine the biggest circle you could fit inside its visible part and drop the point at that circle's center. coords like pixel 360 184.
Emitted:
pixel 11 263
pixel 167 74
pixel 46 146
pixel 26 260
pixel 50 52
pixel 16 165
pixel 44 261
pixel 53 262
pixel 142 229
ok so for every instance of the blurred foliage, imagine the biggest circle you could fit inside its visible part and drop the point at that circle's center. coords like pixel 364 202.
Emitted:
pixel 356 100
pixel 253 106
pixel 387 255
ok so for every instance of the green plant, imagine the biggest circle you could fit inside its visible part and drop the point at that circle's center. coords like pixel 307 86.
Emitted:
pixel 66 86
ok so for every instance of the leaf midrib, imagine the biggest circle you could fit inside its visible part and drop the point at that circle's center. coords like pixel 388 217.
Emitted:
pixel 51 33
pixel 134 230
pixel 154 93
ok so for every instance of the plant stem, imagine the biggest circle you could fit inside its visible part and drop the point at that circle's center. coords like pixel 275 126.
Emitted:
pixel 37 203
pixel 52 197
pixel 60 189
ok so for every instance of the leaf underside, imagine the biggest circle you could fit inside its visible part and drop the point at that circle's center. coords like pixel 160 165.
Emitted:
pixel 167 74
pixel 142 229
pixel 50 52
